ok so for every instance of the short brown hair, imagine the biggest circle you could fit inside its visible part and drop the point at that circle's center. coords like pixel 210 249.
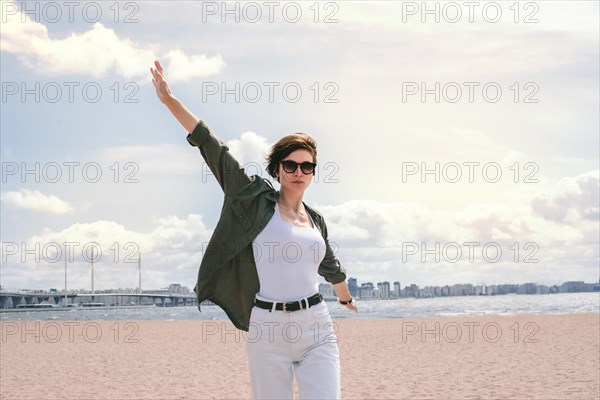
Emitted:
pixel 287 145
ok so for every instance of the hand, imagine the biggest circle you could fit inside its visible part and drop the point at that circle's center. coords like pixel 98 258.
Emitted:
pixel 160 84
pixel 352 306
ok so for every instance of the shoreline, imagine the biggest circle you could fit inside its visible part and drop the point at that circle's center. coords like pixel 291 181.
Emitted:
pixel 550 356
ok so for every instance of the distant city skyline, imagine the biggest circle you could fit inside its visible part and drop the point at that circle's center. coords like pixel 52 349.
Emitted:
pixel 385 290
pixel 390 287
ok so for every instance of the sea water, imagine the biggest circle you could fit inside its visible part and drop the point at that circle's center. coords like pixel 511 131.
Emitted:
pixel 563 303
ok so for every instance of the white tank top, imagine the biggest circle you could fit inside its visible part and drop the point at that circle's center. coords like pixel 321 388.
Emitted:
pixel 287 259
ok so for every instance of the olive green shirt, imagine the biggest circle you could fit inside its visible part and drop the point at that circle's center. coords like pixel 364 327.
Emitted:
pixel 227 274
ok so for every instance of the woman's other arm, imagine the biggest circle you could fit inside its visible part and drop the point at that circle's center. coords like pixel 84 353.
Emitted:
pixel 343 293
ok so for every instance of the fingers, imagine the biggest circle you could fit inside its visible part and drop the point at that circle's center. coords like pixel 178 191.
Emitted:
pixel 156 76
pixel 352 307
pixel 159 70
pixel 159 66
pixel 158 79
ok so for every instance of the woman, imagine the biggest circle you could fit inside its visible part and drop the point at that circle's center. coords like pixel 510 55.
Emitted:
pixel 263 259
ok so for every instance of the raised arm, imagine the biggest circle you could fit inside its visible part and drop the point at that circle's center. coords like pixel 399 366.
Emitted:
pixel 222 164
pixel 179 111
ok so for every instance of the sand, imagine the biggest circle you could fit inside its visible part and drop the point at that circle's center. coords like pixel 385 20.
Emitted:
pixel 493 357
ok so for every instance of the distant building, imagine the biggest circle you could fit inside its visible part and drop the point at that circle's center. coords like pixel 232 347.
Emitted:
pixel 468 289
pixel 376 293
pixel 507 288
pixel 527 288
pixel 572 287
pixel 491 290
pixel 542 289
pixel 397 289
pixel 412 290
pixel 366 290
pixel 456 290
pixel 176 288
pixel 384 290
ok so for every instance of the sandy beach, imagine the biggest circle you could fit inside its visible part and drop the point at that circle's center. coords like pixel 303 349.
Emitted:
pixel 493 357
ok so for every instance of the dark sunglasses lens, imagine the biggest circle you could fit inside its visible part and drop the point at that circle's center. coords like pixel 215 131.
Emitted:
pixel 289 166
pixel 307 167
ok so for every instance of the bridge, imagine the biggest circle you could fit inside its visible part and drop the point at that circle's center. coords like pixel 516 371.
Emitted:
pixel 10 300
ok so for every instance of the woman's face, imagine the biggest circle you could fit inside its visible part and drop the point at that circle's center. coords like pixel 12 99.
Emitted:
pixel 295 181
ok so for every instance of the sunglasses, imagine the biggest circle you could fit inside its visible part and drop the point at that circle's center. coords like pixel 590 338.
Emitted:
pixel 290 166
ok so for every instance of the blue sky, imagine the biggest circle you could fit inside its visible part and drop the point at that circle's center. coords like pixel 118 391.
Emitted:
pixel 513 134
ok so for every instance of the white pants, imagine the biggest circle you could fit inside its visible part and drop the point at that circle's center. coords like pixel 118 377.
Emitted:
pixel 301 343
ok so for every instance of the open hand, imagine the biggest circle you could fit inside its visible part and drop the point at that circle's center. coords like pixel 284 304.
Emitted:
pixel 352 306
pixel 160 84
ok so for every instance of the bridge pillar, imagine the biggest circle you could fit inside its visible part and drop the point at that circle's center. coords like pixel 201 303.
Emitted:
pixel 19 300
pixel 9 301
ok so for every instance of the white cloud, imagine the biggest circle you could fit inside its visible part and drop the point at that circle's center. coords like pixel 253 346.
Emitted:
pixel 571 199
pixel 35 200
pixel 181 67
pixel 171 232
pixel 250 148
pixel 97 52
pixel 170 253
pixel 547 238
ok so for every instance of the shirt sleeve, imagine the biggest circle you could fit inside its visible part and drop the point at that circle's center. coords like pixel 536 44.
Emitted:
pixel 330 268
pixel 226 169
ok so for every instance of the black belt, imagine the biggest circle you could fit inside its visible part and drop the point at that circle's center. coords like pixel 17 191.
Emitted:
pixel 290 306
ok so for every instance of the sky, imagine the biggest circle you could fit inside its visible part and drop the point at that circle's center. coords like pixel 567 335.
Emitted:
pixel 457 142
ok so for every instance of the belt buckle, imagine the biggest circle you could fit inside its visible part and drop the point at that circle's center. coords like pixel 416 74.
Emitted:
pixel 284 308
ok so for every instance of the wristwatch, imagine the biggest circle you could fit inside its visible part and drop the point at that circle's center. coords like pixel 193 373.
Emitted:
pixel 346 302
